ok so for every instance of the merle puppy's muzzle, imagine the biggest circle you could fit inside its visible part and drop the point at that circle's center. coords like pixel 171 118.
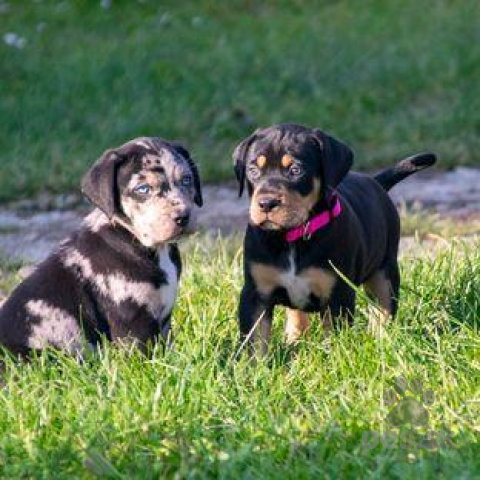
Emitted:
pixel 182 218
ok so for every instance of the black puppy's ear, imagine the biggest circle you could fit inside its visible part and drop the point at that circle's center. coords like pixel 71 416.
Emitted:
pixel 338 158
pixel 240 160
pixel 198 199
pixel 99 184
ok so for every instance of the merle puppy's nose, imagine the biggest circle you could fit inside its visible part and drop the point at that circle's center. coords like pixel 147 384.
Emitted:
pixel 181 219
pixel 267 204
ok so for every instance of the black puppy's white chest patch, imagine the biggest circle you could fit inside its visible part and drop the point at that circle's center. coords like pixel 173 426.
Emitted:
pixel 299 284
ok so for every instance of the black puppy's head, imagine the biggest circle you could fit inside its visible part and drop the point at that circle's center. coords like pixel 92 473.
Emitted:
pixel 150 185
pixel 288 170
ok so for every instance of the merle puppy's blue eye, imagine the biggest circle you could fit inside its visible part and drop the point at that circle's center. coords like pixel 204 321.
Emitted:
pixel 186 181
pixel 143 189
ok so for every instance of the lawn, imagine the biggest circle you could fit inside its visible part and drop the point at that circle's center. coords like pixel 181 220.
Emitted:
pixel 199 411
pixel 389 78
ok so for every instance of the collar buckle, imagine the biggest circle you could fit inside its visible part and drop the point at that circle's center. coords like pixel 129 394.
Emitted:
pixel 306 236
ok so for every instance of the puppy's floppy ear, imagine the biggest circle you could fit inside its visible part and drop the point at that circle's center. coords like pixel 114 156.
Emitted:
pixel 338 158
pixel 99 184
pixel 240 160
pixel 198 199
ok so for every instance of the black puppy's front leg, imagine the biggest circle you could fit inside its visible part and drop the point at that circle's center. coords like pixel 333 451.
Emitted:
pixel 341 305
pixel 255 318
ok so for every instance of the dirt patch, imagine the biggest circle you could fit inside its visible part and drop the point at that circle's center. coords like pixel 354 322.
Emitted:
pixel 30 229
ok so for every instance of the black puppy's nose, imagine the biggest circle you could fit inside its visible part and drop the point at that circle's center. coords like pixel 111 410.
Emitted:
pixel 181 219
pixel 267 204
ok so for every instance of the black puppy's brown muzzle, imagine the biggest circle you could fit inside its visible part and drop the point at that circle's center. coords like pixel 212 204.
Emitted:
pixel 268 203
pixel 270 196
pixel 275 206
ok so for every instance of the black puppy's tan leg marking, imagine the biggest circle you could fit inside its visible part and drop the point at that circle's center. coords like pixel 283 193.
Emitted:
pixel 379 287
pixel 296 325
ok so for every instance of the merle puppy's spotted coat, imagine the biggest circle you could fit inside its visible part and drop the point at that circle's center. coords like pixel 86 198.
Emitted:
pixel 117 275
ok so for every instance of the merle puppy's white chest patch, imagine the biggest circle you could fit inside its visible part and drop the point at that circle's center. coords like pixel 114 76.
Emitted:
pixel 168 291
pixel 298 284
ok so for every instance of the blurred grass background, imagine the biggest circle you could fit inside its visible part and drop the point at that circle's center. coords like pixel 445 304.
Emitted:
pixel 77 77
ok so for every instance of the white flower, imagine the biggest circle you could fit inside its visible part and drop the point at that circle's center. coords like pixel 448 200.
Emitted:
pixel 14 40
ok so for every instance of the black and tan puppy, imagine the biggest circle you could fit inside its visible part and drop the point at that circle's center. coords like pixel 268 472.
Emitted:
pixel 117 275
pixel 308 217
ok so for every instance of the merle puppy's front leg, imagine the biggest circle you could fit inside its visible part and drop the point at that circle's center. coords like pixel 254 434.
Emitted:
pixel 135 326
pixel 255 318
pixel 166 334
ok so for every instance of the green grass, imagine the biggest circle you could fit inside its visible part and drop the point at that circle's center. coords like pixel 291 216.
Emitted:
pixel 9 276
pixel 389 78
pixel 195 412
pixel 424 224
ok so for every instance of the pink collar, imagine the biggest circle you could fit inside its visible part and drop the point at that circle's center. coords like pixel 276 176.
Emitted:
pixel 316 223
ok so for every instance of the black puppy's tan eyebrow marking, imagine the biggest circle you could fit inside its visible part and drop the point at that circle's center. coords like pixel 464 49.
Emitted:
pixel 287 161
pixel 261 161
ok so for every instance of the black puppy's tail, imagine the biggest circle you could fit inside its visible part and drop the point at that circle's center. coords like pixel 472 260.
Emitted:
pixel 391 176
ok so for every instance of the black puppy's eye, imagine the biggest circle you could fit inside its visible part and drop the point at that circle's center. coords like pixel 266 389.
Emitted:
pixel 253 172
pixel 143 189
pixel 186 181
pixel 295 170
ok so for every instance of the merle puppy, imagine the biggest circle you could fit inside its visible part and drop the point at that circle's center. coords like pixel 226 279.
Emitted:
pixel 117 275
pixel 309 220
